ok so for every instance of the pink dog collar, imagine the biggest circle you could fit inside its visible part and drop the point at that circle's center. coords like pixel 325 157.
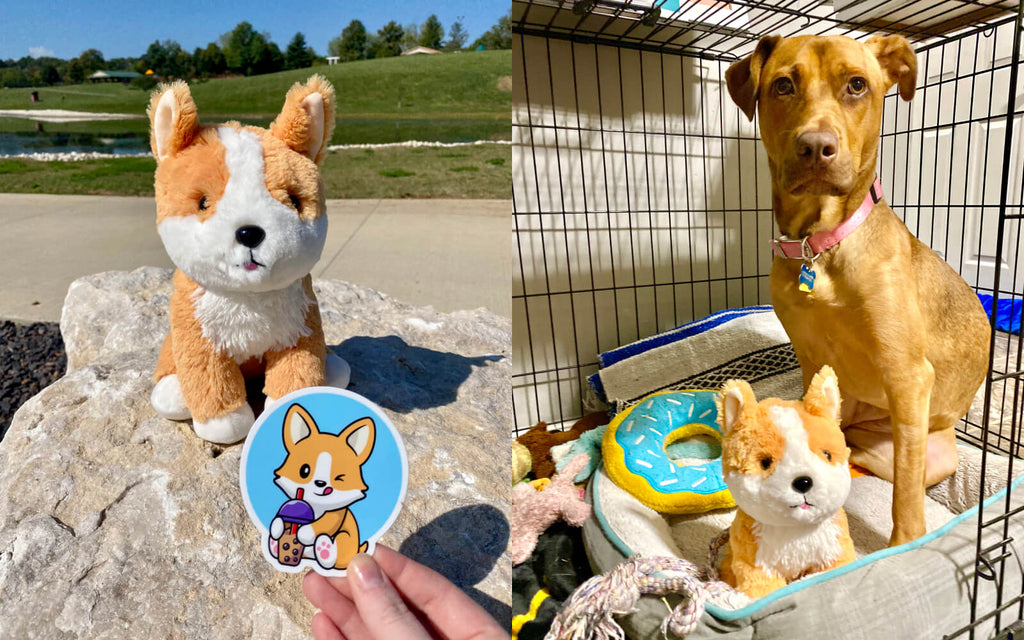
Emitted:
pixel 810 247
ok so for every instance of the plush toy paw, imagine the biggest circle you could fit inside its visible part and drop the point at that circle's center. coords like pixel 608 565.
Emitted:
pixel 167 400
pixel 276 528
pixel 306 535
pixel 226 429
pixel 338 372
pixel 326 551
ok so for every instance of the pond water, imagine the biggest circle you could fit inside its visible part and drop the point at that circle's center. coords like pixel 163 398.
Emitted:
pixel 127 137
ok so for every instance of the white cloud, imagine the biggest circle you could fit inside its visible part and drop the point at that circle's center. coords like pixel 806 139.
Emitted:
pixel 40 52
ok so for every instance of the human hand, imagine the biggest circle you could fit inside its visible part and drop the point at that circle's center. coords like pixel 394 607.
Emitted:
pixel 390 596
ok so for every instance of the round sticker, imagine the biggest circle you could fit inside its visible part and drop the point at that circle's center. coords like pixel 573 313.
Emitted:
pixel 323 475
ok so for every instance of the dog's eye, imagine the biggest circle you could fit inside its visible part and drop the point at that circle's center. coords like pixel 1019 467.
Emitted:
pixel 296 203
pixel 782 87
pixel 857 86
pixel 828 455
pixel 766 462
pixel 340 477
pixel 203 204
pixel 304 471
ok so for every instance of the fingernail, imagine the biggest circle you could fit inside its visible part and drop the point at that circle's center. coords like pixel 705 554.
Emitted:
pixel 367 572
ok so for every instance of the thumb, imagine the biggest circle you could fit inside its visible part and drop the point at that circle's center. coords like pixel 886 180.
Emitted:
pixel 380 606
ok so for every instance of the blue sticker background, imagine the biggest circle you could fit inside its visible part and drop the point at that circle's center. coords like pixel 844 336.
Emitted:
pixel 384 472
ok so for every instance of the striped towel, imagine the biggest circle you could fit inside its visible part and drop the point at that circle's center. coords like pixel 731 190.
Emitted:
pixel 747 343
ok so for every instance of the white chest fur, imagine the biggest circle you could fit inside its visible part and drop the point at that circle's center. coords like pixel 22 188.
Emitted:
pixel 246 325
pixel 791 551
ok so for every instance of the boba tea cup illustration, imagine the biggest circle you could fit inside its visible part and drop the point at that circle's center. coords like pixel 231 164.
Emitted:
pixel 293 514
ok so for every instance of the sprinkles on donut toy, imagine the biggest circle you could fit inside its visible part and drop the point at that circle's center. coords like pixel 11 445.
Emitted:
pixel 635 457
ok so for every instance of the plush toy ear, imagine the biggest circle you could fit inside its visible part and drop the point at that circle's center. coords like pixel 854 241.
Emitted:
pixel 360 436
pixel 735 400
pixel 298 425
pixel 898 62
pixel 743 77
pixel 822 398
pixel 306 122
pixel 173 119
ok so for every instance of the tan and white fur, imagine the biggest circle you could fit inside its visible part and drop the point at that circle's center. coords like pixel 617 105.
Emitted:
pixel 241 213
pixel 786 465
pixel 906 335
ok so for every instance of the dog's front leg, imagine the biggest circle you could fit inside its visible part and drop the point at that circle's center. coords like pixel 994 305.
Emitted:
pixel 302 365
pixel 908 387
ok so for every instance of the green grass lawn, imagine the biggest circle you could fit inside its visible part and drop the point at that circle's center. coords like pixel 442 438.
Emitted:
pixel 426 172
pixel 405 86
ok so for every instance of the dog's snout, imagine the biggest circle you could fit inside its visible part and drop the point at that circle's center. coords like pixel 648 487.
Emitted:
pixel 250 236
pixel 320 483
pixel 803 484
pixel 817 147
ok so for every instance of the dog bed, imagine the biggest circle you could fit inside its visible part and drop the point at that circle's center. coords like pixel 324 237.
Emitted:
pixel 917 590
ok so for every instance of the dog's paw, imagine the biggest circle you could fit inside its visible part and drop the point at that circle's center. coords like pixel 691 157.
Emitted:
pixel 272 544
pixel 326 551
pixel 228 428
pixel 306 535
pixel 337 371
pixel 167 400
pixel 276 528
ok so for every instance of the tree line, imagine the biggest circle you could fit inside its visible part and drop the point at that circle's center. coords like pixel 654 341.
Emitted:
pixel 245 51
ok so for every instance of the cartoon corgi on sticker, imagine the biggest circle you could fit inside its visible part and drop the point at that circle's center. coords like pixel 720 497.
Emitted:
pixel 786 466
pixel 322 477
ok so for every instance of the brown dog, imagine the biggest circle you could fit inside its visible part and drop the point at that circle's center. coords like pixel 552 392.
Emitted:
pixel 906 336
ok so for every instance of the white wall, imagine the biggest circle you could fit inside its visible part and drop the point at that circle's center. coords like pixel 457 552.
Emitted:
pixel 635 175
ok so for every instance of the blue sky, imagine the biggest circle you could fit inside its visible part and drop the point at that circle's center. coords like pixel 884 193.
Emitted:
pixel 122 28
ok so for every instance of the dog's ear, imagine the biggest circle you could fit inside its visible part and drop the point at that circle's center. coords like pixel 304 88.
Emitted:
pixel 735 401
pixel 298 425
pixel 743 77
pixel 359 436
pixel 306 122
pixel 173 119
pixel 822 398
pixel 898 62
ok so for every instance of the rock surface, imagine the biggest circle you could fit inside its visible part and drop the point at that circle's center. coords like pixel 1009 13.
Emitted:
pixel 115 523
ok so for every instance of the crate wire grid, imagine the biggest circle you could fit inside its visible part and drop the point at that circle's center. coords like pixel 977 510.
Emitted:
pixel 614 213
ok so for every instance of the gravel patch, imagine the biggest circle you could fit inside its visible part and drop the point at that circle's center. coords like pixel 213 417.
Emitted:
pixel 31 358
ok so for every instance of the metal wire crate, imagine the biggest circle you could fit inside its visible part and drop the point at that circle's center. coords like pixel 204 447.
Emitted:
pixel 642 196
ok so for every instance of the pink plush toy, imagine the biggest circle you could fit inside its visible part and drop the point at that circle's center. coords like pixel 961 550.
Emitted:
pixel 534 511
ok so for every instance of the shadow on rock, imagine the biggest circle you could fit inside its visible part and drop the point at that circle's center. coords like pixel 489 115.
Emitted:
pixel 401 377
pixel 464 545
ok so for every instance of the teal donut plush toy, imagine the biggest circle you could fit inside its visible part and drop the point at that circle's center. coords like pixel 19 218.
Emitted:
pixel 635 456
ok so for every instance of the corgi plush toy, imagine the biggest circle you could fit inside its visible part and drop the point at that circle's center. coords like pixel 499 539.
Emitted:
pixel 241 213
pixel 786 465
pixel 327 469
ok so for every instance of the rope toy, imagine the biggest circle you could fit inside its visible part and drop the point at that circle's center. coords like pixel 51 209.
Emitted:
pixel 589 613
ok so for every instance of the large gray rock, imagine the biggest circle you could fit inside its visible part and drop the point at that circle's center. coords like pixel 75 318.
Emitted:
pixel 115 523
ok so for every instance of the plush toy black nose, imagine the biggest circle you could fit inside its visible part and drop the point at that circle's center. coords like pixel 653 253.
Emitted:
pixel 320 483
pixel 802 484
pixel 250 236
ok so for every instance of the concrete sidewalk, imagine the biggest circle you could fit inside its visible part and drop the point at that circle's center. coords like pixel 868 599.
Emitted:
pixel 450 254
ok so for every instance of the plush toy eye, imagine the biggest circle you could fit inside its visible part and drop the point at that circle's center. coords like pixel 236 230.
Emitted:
pixel 296 203
pixel 857 86
pixel 304 471
pixel 828 455
pixel 203 204
pixel 766 462
pixel 782 86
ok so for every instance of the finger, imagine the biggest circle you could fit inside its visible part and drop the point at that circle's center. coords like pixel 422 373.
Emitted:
pixel 378 601
pixel 449 609
pixel 334 604
pixel 323 628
